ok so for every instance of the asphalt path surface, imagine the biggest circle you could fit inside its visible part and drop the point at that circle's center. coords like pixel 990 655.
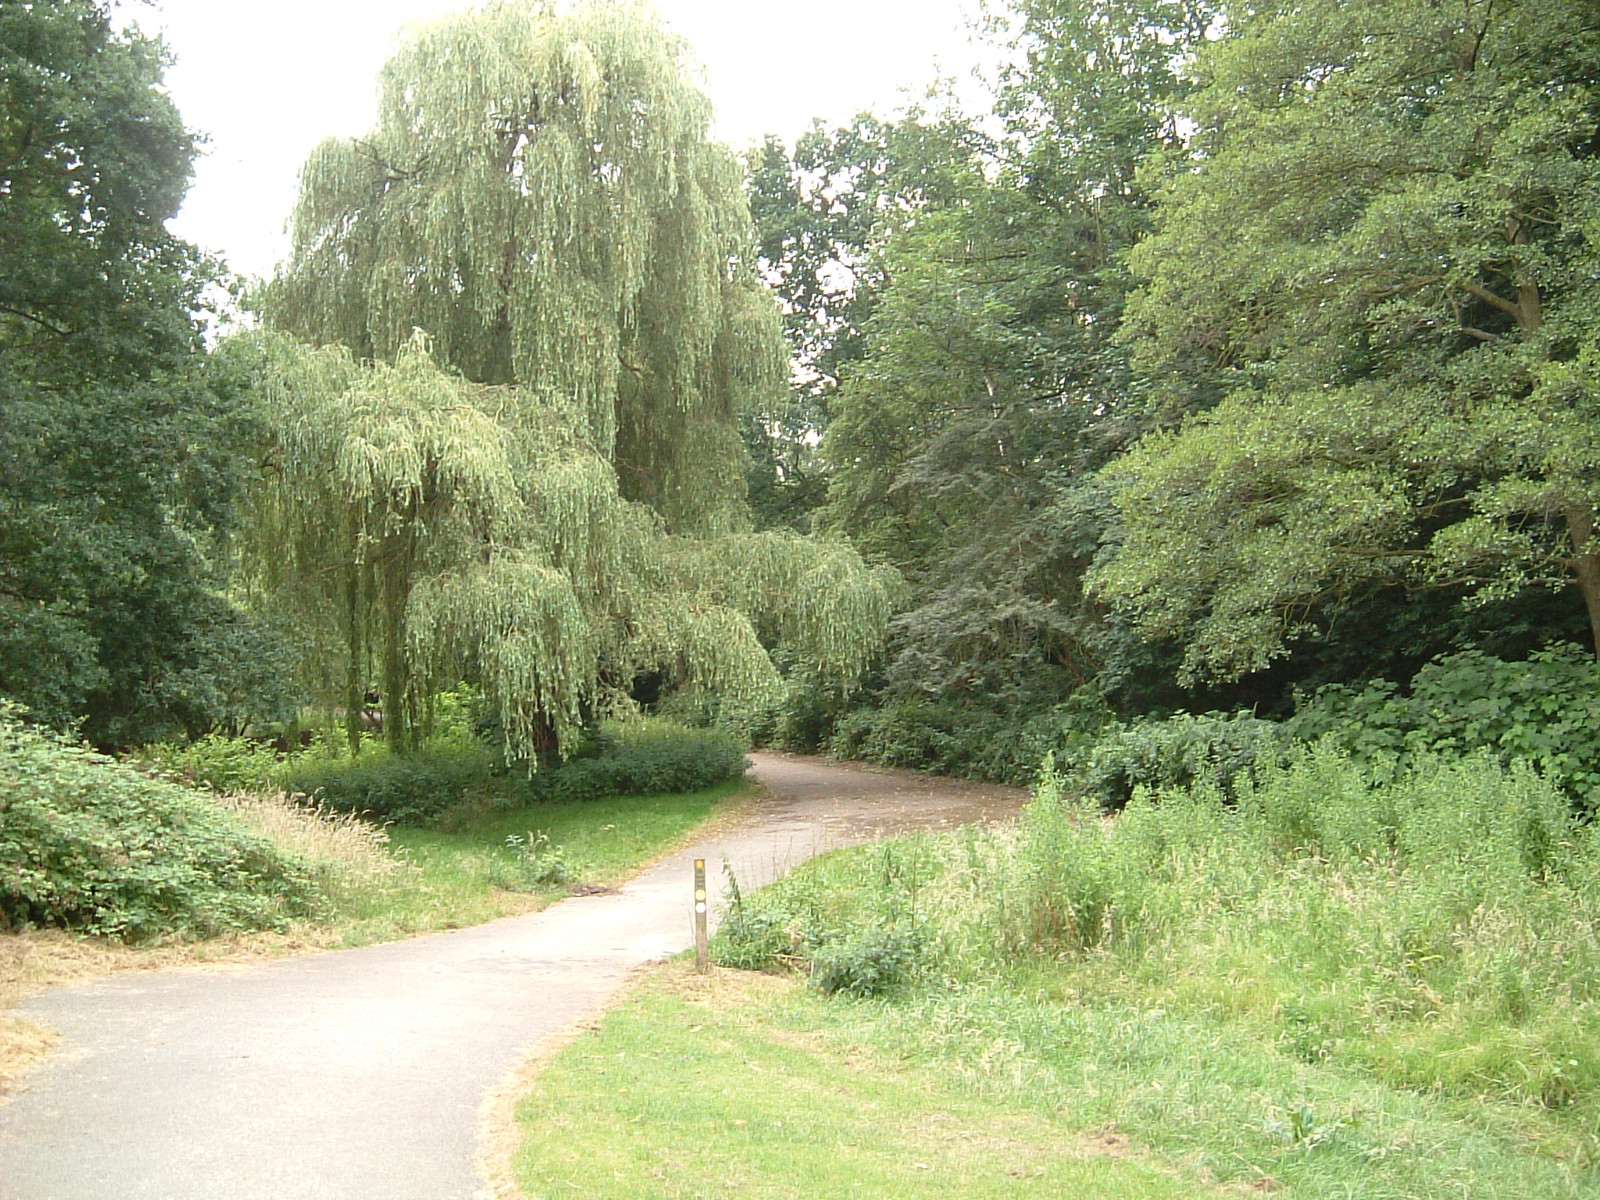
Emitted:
pixel 358 1074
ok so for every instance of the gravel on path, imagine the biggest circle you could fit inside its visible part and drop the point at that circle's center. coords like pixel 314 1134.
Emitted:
pixel 357 1075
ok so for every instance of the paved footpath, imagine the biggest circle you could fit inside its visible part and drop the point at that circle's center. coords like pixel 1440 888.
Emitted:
pixel 357 1075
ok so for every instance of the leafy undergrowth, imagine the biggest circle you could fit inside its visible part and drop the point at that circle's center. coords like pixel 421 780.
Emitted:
pixel 92 845
pixel 732 1085
pixel 1351 989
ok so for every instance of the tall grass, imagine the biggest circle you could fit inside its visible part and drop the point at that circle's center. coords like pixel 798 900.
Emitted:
pixel 1320 960
pixel 349 858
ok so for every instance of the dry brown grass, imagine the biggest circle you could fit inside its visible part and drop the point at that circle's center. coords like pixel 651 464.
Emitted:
pixel 347 851
pixel 22 1043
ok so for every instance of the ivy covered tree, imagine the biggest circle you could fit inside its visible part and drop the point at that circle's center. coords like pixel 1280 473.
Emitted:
pixel 1381 251
pixel 545 493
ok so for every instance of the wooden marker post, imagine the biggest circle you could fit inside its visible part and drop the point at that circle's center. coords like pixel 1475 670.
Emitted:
pixel 700 961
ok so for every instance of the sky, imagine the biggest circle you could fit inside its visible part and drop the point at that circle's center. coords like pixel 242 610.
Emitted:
pixel 265 82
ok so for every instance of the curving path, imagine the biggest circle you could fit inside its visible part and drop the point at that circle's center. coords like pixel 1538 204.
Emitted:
pixel 357 1075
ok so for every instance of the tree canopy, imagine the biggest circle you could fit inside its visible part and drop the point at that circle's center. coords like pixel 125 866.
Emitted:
pixel 539 194
pixel 988 387
pixel 1381 249
pixel 115 468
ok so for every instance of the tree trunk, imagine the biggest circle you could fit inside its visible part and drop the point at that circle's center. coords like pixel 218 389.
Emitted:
pixel 394 587
pixel 355 687
pixel 1586 567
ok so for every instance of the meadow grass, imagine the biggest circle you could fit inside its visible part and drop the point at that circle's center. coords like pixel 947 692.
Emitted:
pixel 1325 987
pixel 470 873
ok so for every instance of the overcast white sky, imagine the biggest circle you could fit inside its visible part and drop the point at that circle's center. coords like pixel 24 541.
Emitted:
pixel 266 81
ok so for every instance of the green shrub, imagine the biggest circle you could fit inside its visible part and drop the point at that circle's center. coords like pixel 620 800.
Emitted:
pixel 874 961
pixel 649 758
pixel 758 933
pixel 219 762
pixel 864 940
pixel 951 738
pixel 90 844
pixel 1178 752
pixel 646 758
pixel 531 861
pixel 413 789
pixel 1545 711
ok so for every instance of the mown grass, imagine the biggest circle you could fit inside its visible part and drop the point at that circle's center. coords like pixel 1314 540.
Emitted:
pixel 469 874
pixel 724 1087
pixel 1325 988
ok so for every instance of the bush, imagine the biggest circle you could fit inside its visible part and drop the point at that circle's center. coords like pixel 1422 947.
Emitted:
pixel 219 762
pixel 863 940
pixel 955 739
pixel 874 961
pixel 1178 752
pixel 1545 711
pixel 531 861
pixel 413 789
pixel 649 758
pixel 90 844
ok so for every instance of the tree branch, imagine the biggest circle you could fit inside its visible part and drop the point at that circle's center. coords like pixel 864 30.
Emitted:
pixel 1492 298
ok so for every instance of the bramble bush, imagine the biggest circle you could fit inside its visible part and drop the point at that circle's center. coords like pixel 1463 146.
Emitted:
pixel 90 844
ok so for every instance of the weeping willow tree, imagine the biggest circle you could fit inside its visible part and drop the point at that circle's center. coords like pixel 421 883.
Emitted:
pixel 539 194
pixel 543 494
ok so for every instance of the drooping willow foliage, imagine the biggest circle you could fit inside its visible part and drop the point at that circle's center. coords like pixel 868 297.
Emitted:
pixel 539 195
pixel 542 494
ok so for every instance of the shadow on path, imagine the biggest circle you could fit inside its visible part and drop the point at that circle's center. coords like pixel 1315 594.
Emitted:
pixel 357 1075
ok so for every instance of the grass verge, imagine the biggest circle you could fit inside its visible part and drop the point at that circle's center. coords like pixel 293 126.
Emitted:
pixel 471 874
pixel 1387 990
pixel 732 1085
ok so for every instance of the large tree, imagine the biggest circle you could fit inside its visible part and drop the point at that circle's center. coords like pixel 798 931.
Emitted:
pixel 1381 249
pixel 822 210
pixel 989 385
pixel 114 473
pixel 555 507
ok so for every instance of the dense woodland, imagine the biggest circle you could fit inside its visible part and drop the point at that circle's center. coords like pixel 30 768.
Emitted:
pixel 1235 374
